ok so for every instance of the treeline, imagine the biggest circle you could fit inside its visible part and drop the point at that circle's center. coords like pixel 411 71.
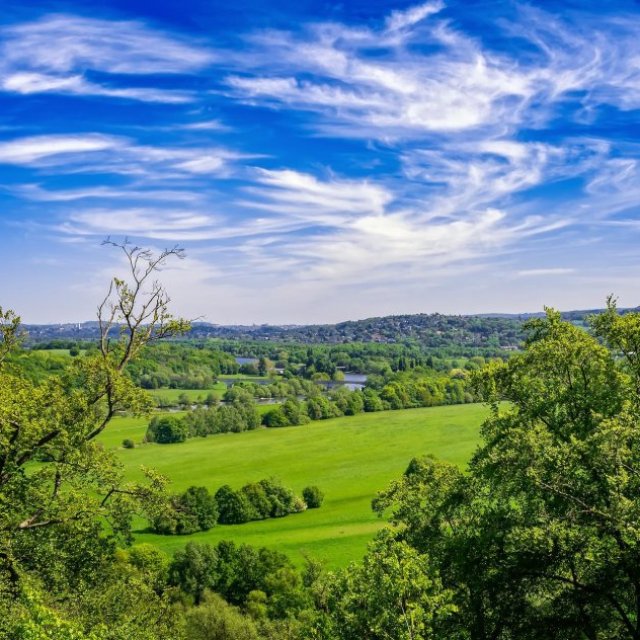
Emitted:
pixel 198 365
pixel 197 510
pixel 180 366
pixel 430 330
pixel 305 360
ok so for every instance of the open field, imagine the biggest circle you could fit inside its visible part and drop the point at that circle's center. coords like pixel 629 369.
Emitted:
pixel 348 458
pixel 122 427
pixel 194 395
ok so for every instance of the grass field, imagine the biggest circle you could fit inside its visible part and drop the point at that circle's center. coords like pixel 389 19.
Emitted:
pixel 194 395
pixel 348 458
pixel 122 427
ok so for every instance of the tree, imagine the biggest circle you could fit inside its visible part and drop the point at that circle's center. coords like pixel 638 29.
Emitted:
pixel 233 506
pixel 214 619
pixel 198 502
pixel 194 569
pixel 75 500
pixel 276 418
pixel 396 593
pixel 312 497
pixel 541 538
pixel 166 430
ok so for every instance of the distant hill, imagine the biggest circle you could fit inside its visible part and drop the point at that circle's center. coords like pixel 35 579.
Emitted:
pixel 433 330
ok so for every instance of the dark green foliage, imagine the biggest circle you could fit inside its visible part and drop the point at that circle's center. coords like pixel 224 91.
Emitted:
pixel 312 497
pixel 194 569
pixel 256 501
pixel 240 415
pixel 276 418
pixel 321 408
pixel 261 502
pixel 199 502
pixel 194 510
pixel 233 571
pixel 127 443
pixel 283 500
pixel 234 506
pixel 180 366
pixel 166 430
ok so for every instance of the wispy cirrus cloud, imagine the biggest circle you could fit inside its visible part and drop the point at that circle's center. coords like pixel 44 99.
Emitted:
pixel 30 62
pixel 33 150
pixel 95 152
pixel 451 82
pixel 552 271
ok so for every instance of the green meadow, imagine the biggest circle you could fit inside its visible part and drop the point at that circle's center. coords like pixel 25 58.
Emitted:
pixel 349 458
pixel 194 395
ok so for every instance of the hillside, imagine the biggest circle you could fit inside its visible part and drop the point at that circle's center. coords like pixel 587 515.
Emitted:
pixel 430 330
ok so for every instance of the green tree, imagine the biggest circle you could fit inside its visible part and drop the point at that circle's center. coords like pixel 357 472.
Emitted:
pixel 214 619
pixel 233 506
pixel 166 430
pixel 63 496
pixel 194 569
pixel 396 593
pixel 541 538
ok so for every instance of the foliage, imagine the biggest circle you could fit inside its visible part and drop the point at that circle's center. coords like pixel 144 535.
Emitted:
pixel 63 500
pixel 540 539
pixel 194 510
pixel 395 593
pixel 166 430
pixel 256 501
pixel 312 497
pixel 214 619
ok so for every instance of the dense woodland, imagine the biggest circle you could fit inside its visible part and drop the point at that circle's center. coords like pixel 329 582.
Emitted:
pixel 538 538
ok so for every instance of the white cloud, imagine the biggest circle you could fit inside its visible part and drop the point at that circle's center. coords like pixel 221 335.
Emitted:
pixel 402 19
pixel 27 83
pixel 54 54
pixel 36 193
pixel 206 125
pixel 205 164
pixel 451 84
pixel 97 153
pixel 119 47
pixel 304 196
pixel 30 150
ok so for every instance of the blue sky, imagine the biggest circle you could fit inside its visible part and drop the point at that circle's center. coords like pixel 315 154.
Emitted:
pixel 321 161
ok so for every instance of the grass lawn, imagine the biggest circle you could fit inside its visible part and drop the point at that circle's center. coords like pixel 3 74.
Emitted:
pixel 122 427
pixel 195 395
pixel 348 458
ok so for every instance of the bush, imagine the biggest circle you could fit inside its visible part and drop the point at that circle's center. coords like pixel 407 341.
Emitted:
pixel 275 418
pixel 166 430
pixel 127 443
pixel 234 506
pixel 195 510
pixel 313 497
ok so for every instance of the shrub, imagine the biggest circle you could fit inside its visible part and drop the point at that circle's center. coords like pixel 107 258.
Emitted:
pixel 195 510
pixel 127 443
pixel 313 497
pixel 275 418
pixel 166 430
pixel 234 506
